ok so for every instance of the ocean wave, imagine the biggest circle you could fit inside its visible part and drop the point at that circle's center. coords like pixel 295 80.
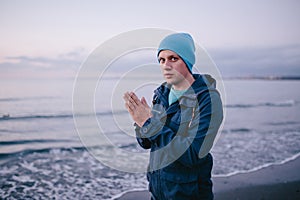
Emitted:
pixel 127 191
pixel 287 103
pixel 14 99
pixel 27 117
pixel 238 130
pixel 64 174
pixel 293 157
pixel 17 142
pixel 43 150
pixel 53 116
pixel 56 150
pixel 283 123
pixel 7 131
pixel 72 173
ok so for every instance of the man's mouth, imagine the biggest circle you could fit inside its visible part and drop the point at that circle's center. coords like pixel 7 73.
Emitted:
pixel 168 75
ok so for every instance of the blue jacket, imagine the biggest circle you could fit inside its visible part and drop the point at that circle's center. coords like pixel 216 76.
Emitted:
pixel 180 136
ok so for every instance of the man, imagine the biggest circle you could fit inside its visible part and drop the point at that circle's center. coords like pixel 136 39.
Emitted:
pixel 181 126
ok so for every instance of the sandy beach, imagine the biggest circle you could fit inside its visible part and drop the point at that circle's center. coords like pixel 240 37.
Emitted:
pixel 274 182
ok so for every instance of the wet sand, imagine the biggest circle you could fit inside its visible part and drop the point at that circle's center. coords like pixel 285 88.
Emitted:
pixel 273 182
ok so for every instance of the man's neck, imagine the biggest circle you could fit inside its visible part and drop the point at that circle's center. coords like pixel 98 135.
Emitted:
pixel 184 85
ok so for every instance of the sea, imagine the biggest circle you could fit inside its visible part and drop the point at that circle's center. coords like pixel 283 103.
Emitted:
pixel 42 155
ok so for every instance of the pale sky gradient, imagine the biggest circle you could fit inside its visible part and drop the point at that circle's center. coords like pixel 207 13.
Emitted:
pixel 235 32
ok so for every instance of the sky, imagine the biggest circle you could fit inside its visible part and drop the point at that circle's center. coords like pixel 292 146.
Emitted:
pixel 52 38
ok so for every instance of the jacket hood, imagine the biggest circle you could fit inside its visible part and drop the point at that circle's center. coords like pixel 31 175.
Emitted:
pixel 203 82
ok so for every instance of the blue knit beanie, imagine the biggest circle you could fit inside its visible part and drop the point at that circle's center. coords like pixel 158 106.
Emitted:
pixel 182 44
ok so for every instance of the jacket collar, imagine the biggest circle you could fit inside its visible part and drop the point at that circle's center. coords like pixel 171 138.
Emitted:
pixel 202 83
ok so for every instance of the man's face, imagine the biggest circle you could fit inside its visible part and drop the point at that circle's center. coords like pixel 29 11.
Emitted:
pixel 173 67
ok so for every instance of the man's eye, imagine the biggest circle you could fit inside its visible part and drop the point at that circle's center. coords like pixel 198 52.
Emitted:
pixel 174 59
pixel 161 60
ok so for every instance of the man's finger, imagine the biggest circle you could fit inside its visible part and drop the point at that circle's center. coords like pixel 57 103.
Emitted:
pixel 126 96
pixel 132 101
pixel 130 107
pixel 131 98
pixel 135 98
pixel 128 99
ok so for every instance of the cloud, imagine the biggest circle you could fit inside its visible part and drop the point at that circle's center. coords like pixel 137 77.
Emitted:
pixel 30 66
pixel 284 60
pixel 70 59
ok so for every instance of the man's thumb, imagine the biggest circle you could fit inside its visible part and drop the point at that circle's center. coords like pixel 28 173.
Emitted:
pixel 144 102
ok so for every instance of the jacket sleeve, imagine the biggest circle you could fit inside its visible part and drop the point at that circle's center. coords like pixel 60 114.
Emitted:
pixel 151 127
pixel 144 135
pixel 195 136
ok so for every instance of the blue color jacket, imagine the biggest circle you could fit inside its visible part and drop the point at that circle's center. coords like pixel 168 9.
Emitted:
pixel 181 135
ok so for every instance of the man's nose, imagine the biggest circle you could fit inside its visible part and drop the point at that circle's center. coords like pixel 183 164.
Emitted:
pixel 167 65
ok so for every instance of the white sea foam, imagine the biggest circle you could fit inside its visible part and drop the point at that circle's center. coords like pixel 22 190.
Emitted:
pixel 127 191
pixel 258 167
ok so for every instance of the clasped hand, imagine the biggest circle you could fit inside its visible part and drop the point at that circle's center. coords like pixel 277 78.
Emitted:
pixel 138 109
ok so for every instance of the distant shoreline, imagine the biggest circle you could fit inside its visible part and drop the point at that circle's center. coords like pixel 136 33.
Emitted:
pixel 294 78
